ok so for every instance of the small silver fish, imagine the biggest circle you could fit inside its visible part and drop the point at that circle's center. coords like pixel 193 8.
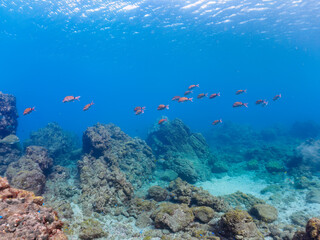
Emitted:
pixel 11 139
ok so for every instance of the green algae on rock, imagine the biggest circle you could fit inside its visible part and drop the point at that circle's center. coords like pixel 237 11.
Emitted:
pixel 238 224
pixel 264 212
pixel 203 214
pixel 157 193
pixel 174 217
pixel 91 229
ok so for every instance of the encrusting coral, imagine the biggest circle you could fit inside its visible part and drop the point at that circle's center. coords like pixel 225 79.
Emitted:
pixel 23 216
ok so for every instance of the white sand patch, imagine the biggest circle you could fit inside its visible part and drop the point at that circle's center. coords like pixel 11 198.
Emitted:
pixel 227 185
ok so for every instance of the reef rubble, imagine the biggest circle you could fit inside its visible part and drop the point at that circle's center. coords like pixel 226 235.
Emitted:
pixel 23 216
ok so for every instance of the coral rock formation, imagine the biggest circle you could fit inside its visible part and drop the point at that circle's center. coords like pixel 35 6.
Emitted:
pixel 184 192
pixel 8 115
pixel 60 144
pixel 264 212
pixel 8 125
pixel 133 156
pixel 184 152
pixel 23 216
pixel 312 231
pixel 238 224
pixel 28 172
pixel 157 193
pixel 174 217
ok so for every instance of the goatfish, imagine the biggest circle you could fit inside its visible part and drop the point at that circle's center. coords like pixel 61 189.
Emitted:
pixel 193 86
pixel 241 91
pixel 86 107
pixel 183 99
pixel 215 122
pixel 175 98
pixel 161 121
pixel 213 95
pixel 70 99
pixel 10 139
pixel 202 95
pixel 28 111
pixel 187 93
pixel 162 107
pixel 240 104
pixel 276 97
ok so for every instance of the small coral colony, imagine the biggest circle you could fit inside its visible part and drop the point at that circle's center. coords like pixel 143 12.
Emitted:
pixel 140 110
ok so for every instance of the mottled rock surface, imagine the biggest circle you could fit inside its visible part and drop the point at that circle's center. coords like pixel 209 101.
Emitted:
pixel 28 172
pixel 8 125
pixel 184 152
pixel 203 214
pixel 133 156
pixel 23 216
pixel 174 217
pixel 312 231
pixel 8 154
pixel 264 212
pixel 238 224
pixel 183 192
pixel 59 143
pixel 91 229
pixel 8 115
pixel 157 193
pixel 102 184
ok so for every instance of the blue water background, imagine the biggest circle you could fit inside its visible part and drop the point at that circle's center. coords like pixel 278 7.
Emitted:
pixel 129 65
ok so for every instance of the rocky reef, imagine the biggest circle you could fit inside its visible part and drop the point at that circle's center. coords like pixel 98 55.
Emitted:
pixel 62 146
pixel 23 216
pixel 309 152
pixel 181 151
pixel 8 126
pixel 28 172
pixel 113 165
pixel 132 155
pixel 8 115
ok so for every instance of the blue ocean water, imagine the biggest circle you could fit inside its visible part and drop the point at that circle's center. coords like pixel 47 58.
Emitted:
pixel 122 54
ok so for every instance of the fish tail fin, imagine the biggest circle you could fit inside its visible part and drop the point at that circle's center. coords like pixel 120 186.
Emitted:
pixel 206 94
pixel 167 107
pixel 218 94
pixel 191 99
pixel 77 98
pixel 245 104
pixel 197 85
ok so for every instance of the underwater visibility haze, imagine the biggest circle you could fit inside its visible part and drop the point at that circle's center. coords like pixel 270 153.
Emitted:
pixel 241 164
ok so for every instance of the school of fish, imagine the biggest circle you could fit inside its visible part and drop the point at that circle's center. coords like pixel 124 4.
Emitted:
pixel 140 110
pixel 263 102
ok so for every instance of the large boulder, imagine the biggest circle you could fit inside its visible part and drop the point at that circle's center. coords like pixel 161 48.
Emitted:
pixel 8 125
pixel 23 216
pixel 174 217
pixel 264 212
pixel 157 193
pixel 184 152
pixel 103 185
pixel 8 115
pixel 312 231
pixel 203 214
pixel 238 224
pixel 60 144
pixel 133 156
pixel 8 154
pixel 183 192
pixel 28 172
